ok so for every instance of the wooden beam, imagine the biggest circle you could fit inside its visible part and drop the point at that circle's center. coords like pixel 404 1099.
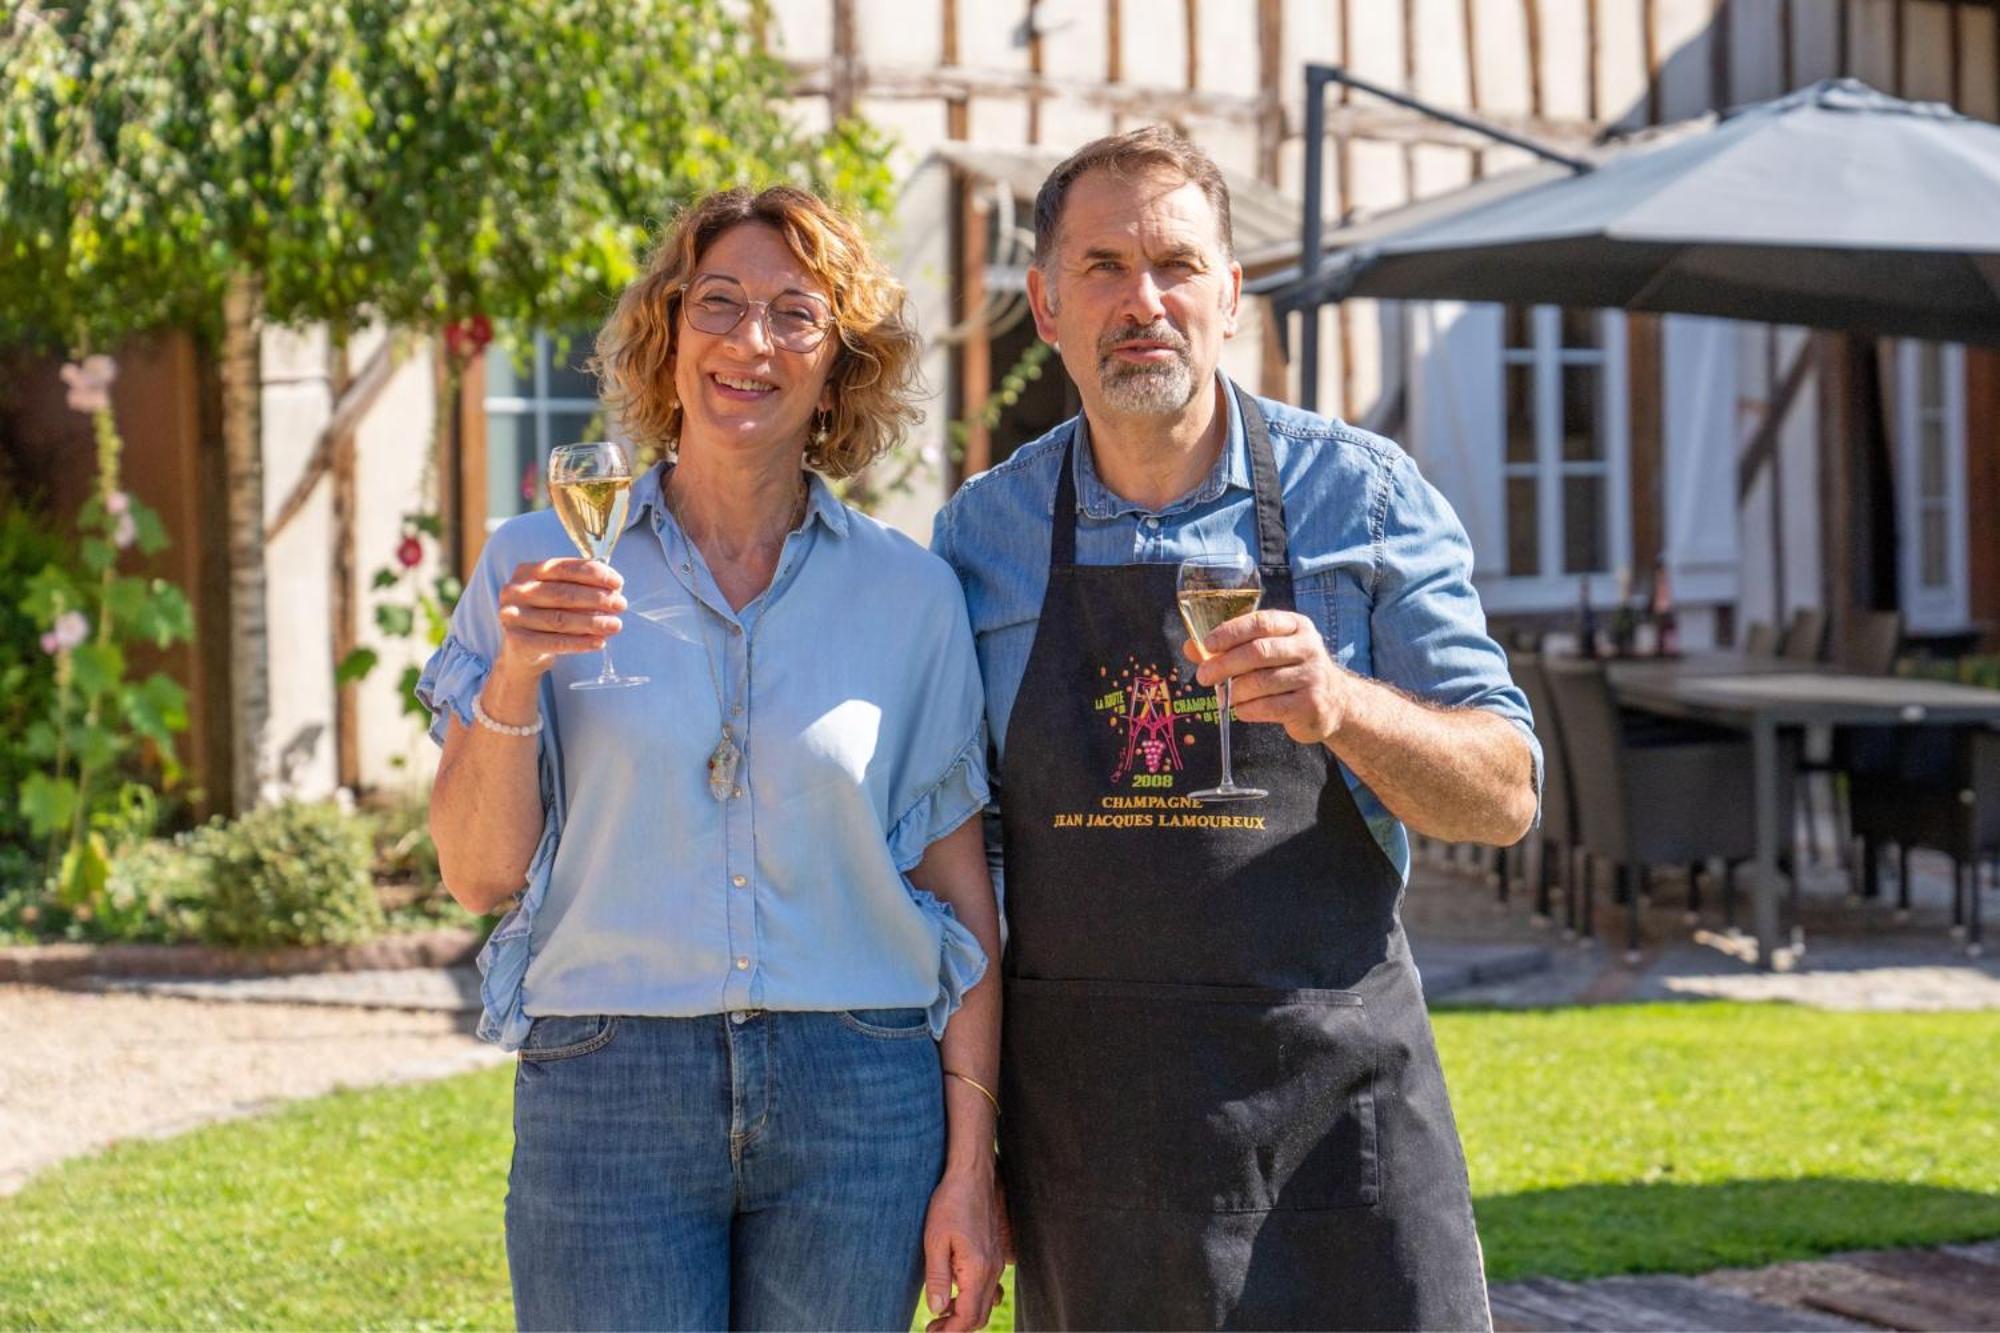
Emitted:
pixel 354 403
pixel 469 444
pixel 1649 42
pixel 1191 22
pixel 1271 74
pixel 1896 47
pixel 1410 87
pixel 975 352
pixel 1955 53
pixel 1836 495
pixel 957 112
pixel 1787 71
pixel 345 627
pixel 1982 461
pixel 1762 450
pixel 1469 26
pixel 1643 372
pixel 1531 14
pixel 844 75
pixel 1593 41
pixel 1843 56
pixel 1035 70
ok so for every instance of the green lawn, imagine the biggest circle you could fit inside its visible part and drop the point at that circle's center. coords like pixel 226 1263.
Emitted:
pixel 1603 1140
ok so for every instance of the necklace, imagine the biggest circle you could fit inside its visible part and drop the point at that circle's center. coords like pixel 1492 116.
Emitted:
pixel 727 756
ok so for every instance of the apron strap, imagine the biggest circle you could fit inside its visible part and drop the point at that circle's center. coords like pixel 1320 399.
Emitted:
pixel 1273 554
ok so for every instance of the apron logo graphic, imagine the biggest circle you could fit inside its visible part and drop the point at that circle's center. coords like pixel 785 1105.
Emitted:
pixel 1154 711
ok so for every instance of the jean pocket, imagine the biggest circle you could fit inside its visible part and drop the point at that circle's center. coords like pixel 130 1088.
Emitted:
pixel 887 1024
pixel 566 1036
pixel 1176 1098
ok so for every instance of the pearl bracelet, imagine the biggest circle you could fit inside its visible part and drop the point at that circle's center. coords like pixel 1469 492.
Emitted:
pixel 479 716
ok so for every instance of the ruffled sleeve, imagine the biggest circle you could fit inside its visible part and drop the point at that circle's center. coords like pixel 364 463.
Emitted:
pixel 948 760
pixel 503 962
pixel 457 671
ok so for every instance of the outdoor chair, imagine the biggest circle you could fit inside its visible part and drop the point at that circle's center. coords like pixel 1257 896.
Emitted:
pixel 1760 640
pixel 1656 803
pixel 1556 837
pixel 1930 789
pixel 1805 637
pixel 1871 644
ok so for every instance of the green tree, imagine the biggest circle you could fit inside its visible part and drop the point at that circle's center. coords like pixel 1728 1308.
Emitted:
pixel 214 164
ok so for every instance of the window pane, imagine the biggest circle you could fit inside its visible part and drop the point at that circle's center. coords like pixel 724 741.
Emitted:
pixel 510 460
pixel 1930 454
pixel 1579 327
pixel 1579 394
pixel 1930 377
pixel 1520 328
pixel 569 427
pixel 1520 414
pixel 1523 527
pixel 504 379
pixel 1583 525
pixel 1931 553
pixel 567 377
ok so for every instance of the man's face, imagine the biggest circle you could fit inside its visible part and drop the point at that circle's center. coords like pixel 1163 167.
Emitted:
pixel 1137 293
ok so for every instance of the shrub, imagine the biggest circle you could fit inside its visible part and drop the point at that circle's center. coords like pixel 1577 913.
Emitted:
pixel 289 874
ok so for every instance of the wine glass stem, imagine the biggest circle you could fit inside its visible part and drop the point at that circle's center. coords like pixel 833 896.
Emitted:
pixel 1222 694
pixel 609 673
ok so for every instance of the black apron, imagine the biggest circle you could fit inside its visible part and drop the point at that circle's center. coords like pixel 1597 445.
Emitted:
pixel 1222 1102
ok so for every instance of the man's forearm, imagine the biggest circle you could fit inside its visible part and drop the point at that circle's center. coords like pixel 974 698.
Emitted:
pixel 1458 774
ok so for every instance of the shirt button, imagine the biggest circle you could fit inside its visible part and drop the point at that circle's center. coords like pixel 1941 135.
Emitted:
pixel 738 793
pixel 739 880
pixel 743 965
pixel 1153 523
pixel 735 629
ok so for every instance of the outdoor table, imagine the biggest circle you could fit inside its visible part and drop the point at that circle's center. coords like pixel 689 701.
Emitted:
pixel 1774 701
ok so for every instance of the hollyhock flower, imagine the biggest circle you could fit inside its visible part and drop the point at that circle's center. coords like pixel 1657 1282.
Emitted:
pixel 409 553
pixel 71 629
pixel 126 532
pixel 90 383
pixel 468 337
pixel 117 503
pixel 529 477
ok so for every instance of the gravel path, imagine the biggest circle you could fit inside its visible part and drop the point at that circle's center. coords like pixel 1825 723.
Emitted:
pixel 82 1071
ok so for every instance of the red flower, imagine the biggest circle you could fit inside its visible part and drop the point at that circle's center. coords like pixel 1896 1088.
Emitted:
pixel 468 337
pixel 409 553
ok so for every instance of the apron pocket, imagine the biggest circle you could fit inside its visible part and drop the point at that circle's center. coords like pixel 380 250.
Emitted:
pixel 1189 1098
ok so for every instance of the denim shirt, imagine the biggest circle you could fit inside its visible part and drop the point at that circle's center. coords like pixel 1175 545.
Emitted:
pixel 852 686
pixel 1378 559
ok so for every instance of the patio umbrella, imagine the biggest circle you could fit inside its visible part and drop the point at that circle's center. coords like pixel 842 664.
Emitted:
pixel 1835 206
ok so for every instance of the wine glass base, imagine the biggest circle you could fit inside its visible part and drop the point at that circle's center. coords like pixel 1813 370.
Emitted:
pixel 615 683
pixel 1231 793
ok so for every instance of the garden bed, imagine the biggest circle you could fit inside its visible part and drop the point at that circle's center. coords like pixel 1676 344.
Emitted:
pixel 51 964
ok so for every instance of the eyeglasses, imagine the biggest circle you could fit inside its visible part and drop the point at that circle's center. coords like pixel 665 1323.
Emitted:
pixel 795 321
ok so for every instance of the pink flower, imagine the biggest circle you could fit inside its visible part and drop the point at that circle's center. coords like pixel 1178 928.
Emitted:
pixel 529 477
pixel 70 630
pixel 117 503
pixel 90 383
pixel 410 553
pixel 126 532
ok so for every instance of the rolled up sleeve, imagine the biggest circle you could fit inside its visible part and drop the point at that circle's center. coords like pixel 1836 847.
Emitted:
pixel 1428 627
pixel 457 671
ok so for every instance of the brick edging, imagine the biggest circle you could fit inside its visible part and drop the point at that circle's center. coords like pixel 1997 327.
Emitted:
pixel 49 963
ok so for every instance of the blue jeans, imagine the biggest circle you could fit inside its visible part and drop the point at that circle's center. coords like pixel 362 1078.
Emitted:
pixel 745 1171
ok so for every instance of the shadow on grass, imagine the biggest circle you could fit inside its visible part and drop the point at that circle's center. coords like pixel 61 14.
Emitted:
pixel 1598 1230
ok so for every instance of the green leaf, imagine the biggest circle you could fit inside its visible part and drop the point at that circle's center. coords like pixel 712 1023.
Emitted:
pixel 157 708
pixel 429 524
pixel 98 666
pixel 39 740
pixel 85 868
pixel 385 578
pixel 449 590
pixel 97 554
pixel 395 620
pixel 356 666
pixel 47 803
pixel 407 688
pixel 152 533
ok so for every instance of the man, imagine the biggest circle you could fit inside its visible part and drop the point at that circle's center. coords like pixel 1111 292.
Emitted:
pixel 1222 1103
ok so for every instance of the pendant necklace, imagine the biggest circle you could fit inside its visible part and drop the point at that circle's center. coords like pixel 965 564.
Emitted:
pixel 727 756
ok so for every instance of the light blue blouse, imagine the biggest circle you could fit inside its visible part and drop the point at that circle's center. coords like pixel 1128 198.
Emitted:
pixel 854 690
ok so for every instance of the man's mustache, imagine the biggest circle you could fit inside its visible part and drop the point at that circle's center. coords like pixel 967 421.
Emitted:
pixel 1158 332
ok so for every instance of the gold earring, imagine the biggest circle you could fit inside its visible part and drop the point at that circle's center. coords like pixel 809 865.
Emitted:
pixel 820 432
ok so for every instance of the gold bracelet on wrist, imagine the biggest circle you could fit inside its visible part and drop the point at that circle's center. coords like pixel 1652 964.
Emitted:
pixel 981 1088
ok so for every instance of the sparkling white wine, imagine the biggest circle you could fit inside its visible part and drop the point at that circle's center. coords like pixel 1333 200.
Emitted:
pixel 593 512
pixel 1202 609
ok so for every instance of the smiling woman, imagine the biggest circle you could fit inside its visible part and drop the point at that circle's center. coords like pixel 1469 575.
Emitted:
pixel 752 906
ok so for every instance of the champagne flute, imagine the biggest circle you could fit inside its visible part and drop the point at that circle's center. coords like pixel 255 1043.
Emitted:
pixel 1211 589
pixel 590 486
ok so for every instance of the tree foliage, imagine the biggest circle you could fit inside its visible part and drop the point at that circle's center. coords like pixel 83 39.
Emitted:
pixel 415 161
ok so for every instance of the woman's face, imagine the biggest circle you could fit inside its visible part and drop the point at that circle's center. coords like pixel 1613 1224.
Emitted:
pixel 744 389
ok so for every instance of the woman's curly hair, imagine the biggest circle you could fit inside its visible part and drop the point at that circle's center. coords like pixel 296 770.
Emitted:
pixel 874 376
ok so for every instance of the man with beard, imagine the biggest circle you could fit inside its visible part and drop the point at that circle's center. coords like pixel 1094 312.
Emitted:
pixel 1222 1105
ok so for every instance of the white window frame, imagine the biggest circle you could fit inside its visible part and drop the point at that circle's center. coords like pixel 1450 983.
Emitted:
pixel 1945 607
pixel 1551 588
pixel 538 407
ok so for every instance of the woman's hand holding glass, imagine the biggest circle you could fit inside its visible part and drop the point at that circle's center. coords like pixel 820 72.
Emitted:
pixel 555 607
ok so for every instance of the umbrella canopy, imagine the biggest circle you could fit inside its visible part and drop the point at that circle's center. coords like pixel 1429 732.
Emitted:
pixel 1835 206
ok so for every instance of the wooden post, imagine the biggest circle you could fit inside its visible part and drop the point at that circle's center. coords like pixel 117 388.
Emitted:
pixel 470 433
pixel 975 353
pixel 1643 376
pixel 340 570
pixel 1271 73
pixel 1982 482
pixel 1649 37
pixel 1721 79
pixel 243 454
pixel 1469 24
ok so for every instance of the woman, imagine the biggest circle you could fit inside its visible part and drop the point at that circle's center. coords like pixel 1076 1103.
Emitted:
pixel 752 891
